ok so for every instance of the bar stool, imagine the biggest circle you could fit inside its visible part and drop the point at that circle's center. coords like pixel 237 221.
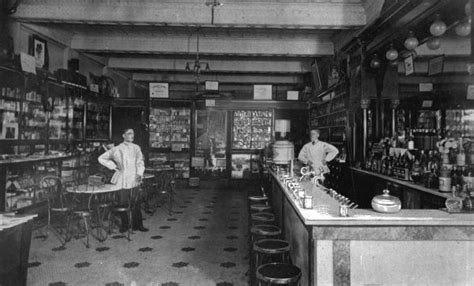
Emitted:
pixel 260 208
pixel 262 218
pixel 278 274
pixel 257 199
pixel 258 232
pixel 269 251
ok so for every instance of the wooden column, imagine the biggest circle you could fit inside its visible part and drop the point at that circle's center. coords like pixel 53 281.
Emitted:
pixel 364 104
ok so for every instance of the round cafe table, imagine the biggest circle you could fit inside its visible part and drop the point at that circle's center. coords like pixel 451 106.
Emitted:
pixel 93 212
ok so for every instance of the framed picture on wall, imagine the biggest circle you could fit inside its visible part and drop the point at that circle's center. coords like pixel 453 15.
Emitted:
pixel 39 49
pixel 435 65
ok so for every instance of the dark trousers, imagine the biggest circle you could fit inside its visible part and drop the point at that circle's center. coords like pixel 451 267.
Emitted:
pixel 127 196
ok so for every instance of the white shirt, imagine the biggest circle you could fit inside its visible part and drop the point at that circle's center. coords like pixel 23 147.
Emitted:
pixel 317 153
pixel 128 158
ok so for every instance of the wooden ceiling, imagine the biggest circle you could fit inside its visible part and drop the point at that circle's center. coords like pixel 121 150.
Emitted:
pixel 273 40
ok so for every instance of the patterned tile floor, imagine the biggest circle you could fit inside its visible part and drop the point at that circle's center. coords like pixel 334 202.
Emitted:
pixel 203 243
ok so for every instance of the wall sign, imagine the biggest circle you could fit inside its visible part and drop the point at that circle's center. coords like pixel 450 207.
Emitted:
pixel 470 92
pixel 158 90
pixel 292 95
pixel 211 85
pixel 262 91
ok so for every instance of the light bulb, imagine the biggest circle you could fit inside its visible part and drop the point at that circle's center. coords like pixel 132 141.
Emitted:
pixel 438 27
pixel 375 62
pixel 463 29
pixel 433 43
pixel 391 54
pixel 411 42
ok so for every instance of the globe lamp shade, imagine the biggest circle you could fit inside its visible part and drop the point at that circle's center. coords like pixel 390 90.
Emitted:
pixel 411 42
pixel 433 43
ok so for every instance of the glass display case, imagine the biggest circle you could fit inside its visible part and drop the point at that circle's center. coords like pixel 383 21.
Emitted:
pixel 160 132
pixel 22 184
pixel 97 121
pixel 58 120
pixel 251 129
pixel 170 138
pixel 34 118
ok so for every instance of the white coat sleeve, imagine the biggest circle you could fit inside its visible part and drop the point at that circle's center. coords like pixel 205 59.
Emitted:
pixel 140 162
pixel 106 160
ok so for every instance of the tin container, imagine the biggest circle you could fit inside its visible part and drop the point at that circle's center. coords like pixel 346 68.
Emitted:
pixel 308 202
pixel 343 210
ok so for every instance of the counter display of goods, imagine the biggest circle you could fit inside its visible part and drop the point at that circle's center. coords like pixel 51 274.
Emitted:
pixel 97 118
pixel 251 129
pixel 58 120
pixel 76 118
pixel 34 119
pixel 170 128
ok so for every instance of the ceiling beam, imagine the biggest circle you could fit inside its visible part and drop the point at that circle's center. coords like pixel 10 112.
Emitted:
pixel 450 46
pixel 306 46
pixel 225 79
pixel 323 14
pixel 226 66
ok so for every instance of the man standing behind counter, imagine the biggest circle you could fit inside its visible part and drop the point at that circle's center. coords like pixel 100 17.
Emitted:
pixel 316 153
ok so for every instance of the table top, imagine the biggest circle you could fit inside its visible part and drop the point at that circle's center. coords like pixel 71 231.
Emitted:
pixel 86 189
pixel 159 169
pixel 12 220
pixel 148 176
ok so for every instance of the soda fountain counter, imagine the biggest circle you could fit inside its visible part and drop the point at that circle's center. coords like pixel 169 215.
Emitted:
pixel 410 247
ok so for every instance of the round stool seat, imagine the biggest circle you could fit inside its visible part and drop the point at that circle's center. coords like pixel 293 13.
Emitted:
pixel 257 199
pixel 263 217
pixel 120 208
pixel 265 230
pixel 278 273
pixel 260 207
pixel 271 246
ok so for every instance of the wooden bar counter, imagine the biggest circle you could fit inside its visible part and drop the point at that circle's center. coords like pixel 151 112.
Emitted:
pixel 411 247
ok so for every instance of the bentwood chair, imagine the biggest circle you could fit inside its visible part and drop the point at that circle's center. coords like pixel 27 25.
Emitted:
pixel 52 190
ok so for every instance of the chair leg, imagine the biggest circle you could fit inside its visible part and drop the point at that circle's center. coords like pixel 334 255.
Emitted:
pixel 87 230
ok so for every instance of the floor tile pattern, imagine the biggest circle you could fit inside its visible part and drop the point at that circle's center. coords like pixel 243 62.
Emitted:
pixel 204 242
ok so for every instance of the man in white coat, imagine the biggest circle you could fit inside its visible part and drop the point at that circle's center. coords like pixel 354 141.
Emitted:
pixel 126 160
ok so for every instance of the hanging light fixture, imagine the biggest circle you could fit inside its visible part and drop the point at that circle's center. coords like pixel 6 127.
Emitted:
pixel 375 62
pixel 467 8
pixel 463 29
pixel 411 42
pixel 433 43
pixel 438 27
pixel 197 63
pixel 391 54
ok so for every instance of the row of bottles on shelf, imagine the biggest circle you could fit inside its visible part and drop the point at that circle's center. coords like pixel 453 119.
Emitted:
pixel 434 169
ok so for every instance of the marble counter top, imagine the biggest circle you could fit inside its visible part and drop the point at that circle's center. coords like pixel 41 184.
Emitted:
pixel 325 211
pixel 12 220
